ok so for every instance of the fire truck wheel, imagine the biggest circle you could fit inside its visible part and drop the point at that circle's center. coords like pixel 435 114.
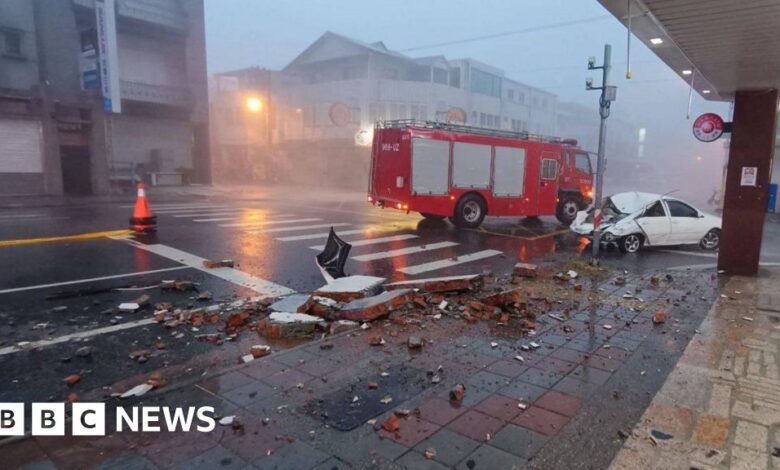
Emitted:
pixel 567 209
pixel 470 211
pixel 431 216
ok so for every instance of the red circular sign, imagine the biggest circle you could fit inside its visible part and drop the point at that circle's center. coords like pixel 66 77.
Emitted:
pixel 456 114
pixel 708 127
pixel 340 114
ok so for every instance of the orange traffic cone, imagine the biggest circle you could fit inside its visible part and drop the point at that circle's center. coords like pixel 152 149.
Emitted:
pixel 142 220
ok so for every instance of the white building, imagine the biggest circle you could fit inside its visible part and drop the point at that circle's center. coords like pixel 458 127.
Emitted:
pixel 327 99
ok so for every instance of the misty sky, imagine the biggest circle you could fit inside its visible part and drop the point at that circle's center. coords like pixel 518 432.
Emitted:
pixel 242 33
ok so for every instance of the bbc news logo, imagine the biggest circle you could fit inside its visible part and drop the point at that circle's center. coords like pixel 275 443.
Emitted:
pixel 89 419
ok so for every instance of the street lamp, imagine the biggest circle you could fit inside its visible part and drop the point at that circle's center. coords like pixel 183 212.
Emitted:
pixel 254 104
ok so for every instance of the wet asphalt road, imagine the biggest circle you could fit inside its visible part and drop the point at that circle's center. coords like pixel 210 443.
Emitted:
pixel 269 239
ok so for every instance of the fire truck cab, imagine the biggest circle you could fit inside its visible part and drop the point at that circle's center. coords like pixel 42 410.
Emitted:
pixel 465 173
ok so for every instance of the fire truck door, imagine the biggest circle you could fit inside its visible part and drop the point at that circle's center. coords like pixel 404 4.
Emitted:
pixel 548 184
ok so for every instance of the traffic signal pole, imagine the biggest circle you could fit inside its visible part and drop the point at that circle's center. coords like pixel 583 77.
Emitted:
pixel 607 97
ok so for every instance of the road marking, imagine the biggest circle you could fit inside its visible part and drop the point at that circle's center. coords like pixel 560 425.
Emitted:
pixel 82 236
pixel 214 213
pixel 689 253
pixel 271 222
pixel 403 251
pixel 239 217
pixel 79 335
pixel 261 286
pixel 189 205
pixel 192 210
pixel 27 221
pixel 769 264
pixel 93 279
pixel 314 236
pixel 372 241
pixel 300 227
pixel 22 216
pixel 446 263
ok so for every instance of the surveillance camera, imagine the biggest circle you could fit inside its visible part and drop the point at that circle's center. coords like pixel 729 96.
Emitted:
pixel 588 82
pixel 591 62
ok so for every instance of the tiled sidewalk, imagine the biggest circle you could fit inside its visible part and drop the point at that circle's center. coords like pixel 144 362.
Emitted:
pixel 595 353
pixel 721 404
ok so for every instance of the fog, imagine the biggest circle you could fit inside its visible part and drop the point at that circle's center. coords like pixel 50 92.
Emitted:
pixel 542 43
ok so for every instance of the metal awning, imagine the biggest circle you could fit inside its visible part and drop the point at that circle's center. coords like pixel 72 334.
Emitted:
pixel 727 45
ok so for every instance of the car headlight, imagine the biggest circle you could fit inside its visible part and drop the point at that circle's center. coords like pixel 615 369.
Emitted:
pixel 608 236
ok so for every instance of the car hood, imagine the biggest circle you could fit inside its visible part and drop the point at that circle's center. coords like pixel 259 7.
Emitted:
pixel 633 201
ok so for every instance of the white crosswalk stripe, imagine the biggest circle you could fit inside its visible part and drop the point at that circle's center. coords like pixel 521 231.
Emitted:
pixel 22 216
pixel 314 236
pixel 237 217
pixel 372 241
pixel 193 210
pixel 446 263
pixel 221 212
pixel 403 251
pixel 269 222
pixel 181 206
pixel 299 227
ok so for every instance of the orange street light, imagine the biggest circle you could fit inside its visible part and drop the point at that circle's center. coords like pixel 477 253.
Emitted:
pixel 253 104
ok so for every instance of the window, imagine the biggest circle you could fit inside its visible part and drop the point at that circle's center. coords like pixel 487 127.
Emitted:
pixel 656 210
pixel 520 97
pixel 485 83
pixel 455 77
pixel 439 76
pixel 510 94
pixel 482 119
pixel 549 169
pixel 12 43
pixel 681 209
pixel 582 163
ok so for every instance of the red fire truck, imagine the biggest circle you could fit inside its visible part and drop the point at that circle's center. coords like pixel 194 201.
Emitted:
pixel 465 173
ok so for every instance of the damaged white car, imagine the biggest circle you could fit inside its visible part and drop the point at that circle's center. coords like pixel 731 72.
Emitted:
pixel 633 220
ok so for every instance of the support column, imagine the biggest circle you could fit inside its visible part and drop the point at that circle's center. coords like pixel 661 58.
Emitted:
pixel 752 145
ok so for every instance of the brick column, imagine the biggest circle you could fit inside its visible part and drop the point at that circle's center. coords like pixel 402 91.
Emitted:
pixel 752 145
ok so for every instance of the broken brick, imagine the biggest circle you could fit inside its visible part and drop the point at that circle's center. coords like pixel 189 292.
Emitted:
pixel 659 317
pixel 504 299
pixel 440 284
pixel 457 393
pixel 415 342
pixel 72 380
pixel 524 270
pixel 259 351
pixel 288 325
pixel 347 289
pixel 392 424
pixel 371 308
pixel 225 263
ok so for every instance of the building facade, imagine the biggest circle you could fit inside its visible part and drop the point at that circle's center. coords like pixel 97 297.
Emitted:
pixel 322 107
pixel 60 136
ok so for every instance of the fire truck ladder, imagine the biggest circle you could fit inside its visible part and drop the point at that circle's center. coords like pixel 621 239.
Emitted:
pixel 446 126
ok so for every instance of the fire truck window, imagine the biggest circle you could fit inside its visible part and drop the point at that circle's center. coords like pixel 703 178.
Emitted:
pixel 582 163
pixel 656 210
pixel 470 165
pixel 549 169
pixel 509 172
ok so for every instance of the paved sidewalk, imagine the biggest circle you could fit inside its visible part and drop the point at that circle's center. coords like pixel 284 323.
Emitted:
pixel 600 361
pixel 721 405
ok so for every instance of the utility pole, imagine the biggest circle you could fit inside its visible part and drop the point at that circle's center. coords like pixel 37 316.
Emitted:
pixel 608 94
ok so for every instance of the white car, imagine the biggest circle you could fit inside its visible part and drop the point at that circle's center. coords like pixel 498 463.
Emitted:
pixel 633 220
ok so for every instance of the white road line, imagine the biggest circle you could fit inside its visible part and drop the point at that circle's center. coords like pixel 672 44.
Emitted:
pixel 94 279
pixel 446 263
pixel 769 264
pixel 689 253
pixel 216 212
pixel 79 335
pixel 237 217
pixel 300 227
pixel 192 210
pixel 314 236
pixel 403 251
pixel 270 222
pixel 23 216
pixel 179 206
pixel 372 241
pixel 41 219
pixel 261 286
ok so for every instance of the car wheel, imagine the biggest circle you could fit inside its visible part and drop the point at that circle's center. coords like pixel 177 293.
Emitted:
pixel 470 211
pixel 711 241
pixel 567 209
pixel 631 243
pixel 431 216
